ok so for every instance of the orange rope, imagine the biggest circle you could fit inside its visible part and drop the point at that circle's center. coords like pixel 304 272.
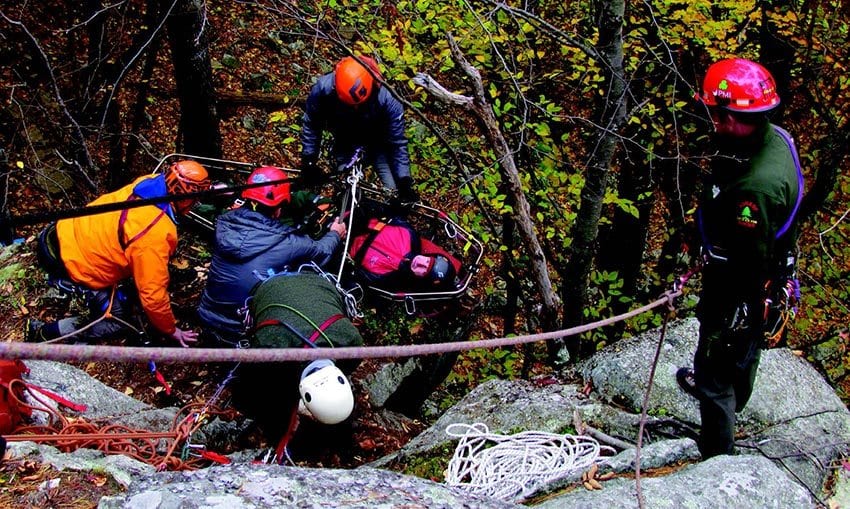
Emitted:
pixel 68 435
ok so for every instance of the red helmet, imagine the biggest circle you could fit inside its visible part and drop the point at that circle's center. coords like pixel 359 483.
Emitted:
pixel 186 177
pixel 738 84
pixel 271 195
pixel 353 82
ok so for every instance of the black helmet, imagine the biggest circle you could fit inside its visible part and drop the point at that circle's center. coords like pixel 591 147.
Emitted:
pixel 442 272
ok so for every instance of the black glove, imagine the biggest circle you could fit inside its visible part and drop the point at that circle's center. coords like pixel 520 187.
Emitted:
pixel 406 193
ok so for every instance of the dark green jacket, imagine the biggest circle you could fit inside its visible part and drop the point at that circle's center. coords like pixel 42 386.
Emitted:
pixel 304 302
pixel 749 196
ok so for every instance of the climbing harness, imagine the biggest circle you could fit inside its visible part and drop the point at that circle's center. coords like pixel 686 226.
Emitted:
pixel 514 467
pixel 107 315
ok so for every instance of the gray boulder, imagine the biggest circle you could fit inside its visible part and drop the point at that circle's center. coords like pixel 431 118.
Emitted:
pixel 723 481
pixel 122 468
pixel 792 430
pixel 504 406
pixel 794 416
pixel 266 486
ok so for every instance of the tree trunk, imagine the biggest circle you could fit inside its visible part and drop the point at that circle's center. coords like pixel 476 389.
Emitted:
pixel 510 173
pixel 612 116
pixel 623 248
pixel 187 34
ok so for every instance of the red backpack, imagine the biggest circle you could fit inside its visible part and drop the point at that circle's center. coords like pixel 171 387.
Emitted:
pixel 12 412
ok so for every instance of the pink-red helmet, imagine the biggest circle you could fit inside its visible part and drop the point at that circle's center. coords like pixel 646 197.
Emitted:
pixel 738 84
pixel 271 195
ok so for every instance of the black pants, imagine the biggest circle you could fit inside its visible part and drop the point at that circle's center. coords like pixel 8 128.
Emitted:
pixel 725 366
pixel 96 301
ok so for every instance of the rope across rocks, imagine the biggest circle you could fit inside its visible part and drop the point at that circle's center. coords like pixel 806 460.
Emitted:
pixel 80 353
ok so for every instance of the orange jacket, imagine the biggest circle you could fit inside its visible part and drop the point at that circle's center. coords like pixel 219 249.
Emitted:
pixel 93 256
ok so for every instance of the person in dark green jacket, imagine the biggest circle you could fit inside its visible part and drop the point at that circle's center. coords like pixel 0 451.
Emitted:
pixel 746 221
pixel 298 310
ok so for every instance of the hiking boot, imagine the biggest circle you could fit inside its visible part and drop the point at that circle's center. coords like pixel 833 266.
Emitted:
pixel 32 331
pixel 687 381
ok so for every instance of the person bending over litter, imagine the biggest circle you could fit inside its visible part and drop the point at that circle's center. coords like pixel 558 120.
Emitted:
pixel 250 241
pixel 298 310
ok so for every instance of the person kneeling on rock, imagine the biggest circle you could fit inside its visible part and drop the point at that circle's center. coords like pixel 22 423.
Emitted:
pixel 298 310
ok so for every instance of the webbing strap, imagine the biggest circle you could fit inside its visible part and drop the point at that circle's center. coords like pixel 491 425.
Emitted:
pixel 324 325
pixel 800 179
pixel 280 451
pixel 78 407
pixel 311 341
pixel 123 219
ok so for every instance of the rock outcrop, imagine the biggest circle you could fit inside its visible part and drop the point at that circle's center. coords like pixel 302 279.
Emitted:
pixel 793 430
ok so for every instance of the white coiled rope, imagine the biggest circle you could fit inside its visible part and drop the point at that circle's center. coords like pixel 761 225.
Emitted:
pixel 514 467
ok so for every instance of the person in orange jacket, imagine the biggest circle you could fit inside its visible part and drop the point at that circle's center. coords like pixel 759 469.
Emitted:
pixel 98 253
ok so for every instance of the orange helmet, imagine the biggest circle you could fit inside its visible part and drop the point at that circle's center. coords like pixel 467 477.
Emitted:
pixel 353 82
pixel 271 195
pixel 186 177
pixel 738 84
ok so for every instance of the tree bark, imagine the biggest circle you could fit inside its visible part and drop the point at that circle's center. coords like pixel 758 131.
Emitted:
pixel 612 116
pixel 199 123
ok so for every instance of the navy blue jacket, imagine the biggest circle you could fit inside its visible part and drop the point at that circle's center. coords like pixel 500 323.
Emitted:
pixel 376 125
pixel 247 241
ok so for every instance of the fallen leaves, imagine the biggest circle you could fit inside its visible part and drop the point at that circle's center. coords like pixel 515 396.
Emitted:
pixel 180 263
pixel 589 478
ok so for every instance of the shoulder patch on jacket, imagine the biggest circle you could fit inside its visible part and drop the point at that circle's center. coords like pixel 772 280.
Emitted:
pixel 747 214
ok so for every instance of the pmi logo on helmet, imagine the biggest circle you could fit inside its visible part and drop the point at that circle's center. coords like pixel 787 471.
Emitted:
pixel 259 178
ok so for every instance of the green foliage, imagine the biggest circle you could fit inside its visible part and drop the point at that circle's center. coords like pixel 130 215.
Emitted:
pixel 476 366
pixel 431 465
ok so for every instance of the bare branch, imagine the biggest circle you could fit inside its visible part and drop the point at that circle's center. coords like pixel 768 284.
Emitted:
pixel 93 16
pixel 58 94
pixel 558 34
pixel 127 67
pixel 440 92
pixel 510 173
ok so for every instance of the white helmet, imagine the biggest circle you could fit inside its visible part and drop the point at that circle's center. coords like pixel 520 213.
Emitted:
pixel 325 392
